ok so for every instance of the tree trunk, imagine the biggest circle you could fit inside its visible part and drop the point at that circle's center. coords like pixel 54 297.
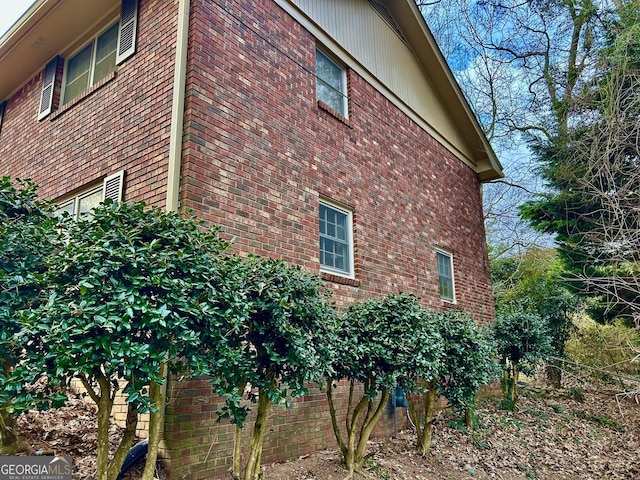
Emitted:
pixel 157 395
pixel 334 419
pixel 515 391
pixel 237 443
pixel 424 432
pixel 352 420
pixel 10 443
pixel 252 468
pixel 504 383
pixel 357 431
pixel 554 374
pixel 468 419
pixel 237 453
pixel 105 406
pixel 370 422
pixel 125 443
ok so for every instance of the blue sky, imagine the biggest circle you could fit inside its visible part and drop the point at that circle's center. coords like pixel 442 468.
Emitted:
pixel 10 11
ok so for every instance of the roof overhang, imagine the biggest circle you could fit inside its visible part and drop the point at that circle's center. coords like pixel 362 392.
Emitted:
pixel 419 37
pixel 37 37
pixel 45 30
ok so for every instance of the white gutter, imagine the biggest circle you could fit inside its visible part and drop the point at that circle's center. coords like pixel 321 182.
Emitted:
pixel 177 108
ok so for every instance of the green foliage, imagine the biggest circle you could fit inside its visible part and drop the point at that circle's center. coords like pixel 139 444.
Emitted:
pixel 591 171
pixel 129 297
pixel 280 336
pixel 282 327
pixel 27 236
pixel 602 420
pixel 388 341
pixel 130 289
pixel 608 348
pixel 521 339
pixel 534 282
pixel 467 361
pixel 380 343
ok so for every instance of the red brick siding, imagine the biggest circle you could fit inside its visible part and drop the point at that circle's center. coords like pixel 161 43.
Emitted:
pixel 200 447
pixel 123 124
pixel 259 151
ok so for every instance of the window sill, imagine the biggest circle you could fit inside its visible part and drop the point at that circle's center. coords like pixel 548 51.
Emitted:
pixel 332 277
pixel 87 93
pixel 333 113
pixel 449 304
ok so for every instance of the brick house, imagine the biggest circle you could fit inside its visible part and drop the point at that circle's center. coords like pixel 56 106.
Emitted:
pixel 328 133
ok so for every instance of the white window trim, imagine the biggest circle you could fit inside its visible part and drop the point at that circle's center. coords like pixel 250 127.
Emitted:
pixel 349 212
pixel 111 187
pixel 94 39
pixel 453 275
pixel 343 69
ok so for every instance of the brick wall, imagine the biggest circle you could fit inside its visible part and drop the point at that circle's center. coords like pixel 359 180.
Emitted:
pixel 123 123
pixel 119 412
pixel 197 446
pixel 259 152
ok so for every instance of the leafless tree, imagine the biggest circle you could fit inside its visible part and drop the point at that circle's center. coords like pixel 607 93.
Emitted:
pixel 602 165
pixel 521 64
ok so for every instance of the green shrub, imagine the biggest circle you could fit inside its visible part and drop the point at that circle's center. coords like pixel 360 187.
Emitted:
pixel 522 339
pixel 606 347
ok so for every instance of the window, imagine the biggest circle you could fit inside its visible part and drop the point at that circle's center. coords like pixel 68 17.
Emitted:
pixel 83 202
pixel 91 64
pixel 336 242
pixel 331 83
pixel 445 275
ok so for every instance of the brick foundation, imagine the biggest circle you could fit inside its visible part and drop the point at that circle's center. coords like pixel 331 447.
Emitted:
pixel 198 447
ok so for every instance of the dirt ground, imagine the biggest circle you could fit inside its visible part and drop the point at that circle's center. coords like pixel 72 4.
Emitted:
pixel 577 433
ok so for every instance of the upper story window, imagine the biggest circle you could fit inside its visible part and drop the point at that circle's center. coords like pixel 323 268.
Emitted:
pixel 83 202
pixel 445 275
pixel 336 239
pixel 91 64
pixel 331 83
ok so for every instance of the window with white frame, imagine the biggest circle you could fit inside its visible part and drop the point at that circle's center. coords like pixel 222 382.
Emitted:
pixel 331 83
pixel 82 203
pixel 91 64
pixel 445 276
pixel 336 239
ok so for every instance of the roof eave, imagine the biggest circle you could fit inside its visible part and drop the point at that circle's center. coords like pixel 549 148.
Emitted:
pixel 414 26
pixel 37 36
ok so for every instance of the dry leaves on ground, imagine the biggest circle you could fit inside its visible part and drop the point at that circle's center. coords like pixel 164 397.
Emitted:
pixel 566 434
